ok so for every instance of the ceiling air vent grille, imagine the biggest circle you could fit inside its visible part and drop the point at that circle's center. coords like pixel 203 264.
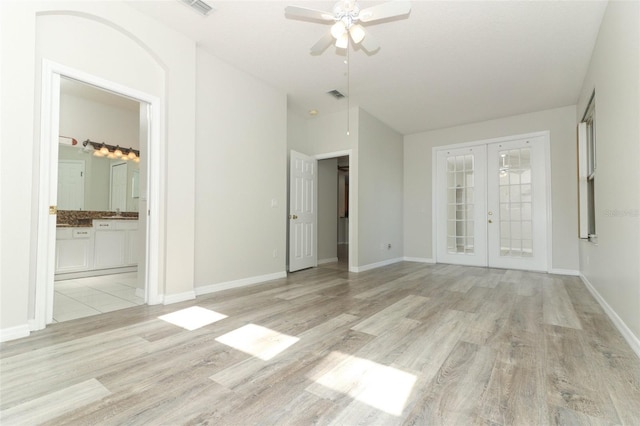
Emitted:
pixel 336 94
pixel 198 5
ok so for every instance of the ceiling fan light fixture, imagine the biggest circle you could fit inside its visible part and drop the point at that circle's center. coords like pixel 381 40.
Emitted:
pixel 338 30
pixel 357 33
pixel 343 41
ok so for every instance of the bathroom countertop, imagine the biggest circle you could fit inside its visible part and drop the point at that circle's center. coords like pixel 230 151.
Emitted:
pixel 84 219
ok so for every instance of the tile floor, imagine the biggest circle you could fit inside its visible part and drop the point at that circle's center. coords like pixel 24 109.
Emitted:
pixel 83 297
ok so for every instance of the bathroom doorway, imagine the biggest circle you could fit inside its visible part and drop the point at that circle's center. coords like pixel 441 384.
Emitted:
pixel 74 254
pixel 97 258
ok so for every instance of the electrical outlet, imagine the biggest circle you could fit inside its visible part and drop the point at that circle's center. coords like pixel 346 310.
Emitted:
pixel 275 253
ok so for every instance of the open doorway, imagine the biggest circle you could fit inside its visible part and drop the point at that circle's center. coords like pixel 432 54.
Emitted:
pixel 147 183
pixel 333 212
pixel 99 241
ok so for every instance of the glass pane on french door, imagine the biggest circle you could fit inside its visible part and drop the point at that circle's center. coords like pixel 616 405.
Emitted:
pixel 461 205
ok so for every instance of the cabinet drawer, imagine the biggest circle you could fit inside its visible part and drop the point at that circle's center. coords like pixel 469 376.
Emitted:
pixel 82 233
pixel 126 224
pixel 64 233
pixel 103 224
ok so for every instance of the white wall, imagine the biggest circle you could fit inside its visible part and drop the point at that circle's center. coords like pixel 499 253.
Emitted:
pixel 375 181
pixel 297 132
pixel 83 119
pixel 418 172
pixel 240 168
pixel 112 41
pixel 327 209
pixel 327 133
pixel 380 221
pixel 612 266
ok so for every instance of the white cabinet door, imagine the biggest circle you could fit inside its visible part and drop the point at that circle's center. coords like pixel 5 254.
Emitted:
pixel 132 247
pixel 110 249
pixel 74 249
pixel 73 255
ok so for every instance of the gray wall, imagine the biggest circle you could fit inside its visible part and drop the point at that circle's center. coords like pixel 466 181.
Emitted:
pixel 612 266
pixel 240 169
pixel 327 209
pixel 564 198
pixel 380 192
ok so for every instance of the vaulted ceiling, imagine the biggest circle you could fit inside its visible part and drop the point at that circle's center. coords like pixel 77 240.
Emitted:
pixel 446 64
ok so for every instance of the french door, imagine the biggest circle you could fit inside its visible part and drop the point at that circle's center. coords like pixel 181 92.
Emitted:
pixel 491 205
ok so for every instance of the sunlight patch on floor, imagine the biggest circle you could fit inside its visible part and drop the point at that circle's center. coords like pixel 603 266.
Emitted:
pixel 258 341
pixel 379 386
pixel 192 318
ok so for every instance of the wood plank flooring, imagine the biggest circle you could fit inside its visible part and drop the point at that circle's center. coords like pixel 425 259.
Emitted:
pixel 409 343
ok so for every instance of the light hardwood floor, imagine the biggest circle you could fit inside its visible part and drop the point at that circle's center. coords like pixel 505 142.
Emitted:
pixel 405 344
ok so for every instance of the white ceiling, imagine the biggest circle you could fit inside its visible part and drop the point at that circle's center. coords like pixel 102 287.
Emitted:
pixel 447 64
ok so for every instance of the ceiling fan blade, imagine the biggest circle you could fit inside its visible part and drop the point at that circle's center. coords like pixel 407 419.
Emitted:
pixel 369 42
pixel 308 14
pixel 322 44
pixel 385 10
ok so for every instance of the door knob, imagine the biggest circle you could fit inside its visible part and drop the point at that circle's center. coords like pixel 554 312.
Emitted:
pixel 293 216
pixel 490 221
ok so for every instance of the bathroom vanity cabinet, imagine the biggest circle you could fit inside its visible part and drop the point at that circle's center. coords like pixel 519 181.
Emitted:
pixel 109 243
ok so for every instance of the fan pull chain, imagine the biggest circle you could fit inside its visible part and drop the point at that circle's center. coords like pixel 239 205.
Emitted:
pixel 348 85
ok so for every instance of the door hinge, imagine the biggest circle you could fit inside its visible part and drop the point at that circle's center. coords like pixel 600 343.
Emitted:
pixel 53 210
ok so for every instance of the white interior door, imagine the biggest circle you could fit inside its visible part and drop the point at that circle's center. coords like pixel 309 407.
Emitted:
pixel 461 206
pixel 491 205
pixel 70 185
pixel 118 187
pixel 303 223
pixel 517 205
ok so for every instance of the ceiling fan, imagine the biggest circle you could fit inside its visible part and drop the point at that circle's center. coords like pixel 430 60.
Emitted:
pixel 346 17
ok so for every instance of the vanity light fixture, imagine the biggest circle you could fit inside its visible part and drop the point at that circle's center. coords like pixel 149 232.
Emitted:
pixel 101 149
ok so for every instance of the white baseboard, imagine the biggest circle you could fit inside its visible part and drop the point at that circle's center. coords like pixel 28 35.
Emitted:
pixel 330 260
pixel 626 332
pixel 13 333
pixel 375 265
pixel 418 259
pixel 168 299
pixel 239 283
pixel 571 272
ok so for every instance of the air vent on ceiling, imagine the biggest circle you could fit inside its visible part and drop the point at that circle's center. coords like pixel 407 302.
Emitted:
pixel 198 5
pixel 336 94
